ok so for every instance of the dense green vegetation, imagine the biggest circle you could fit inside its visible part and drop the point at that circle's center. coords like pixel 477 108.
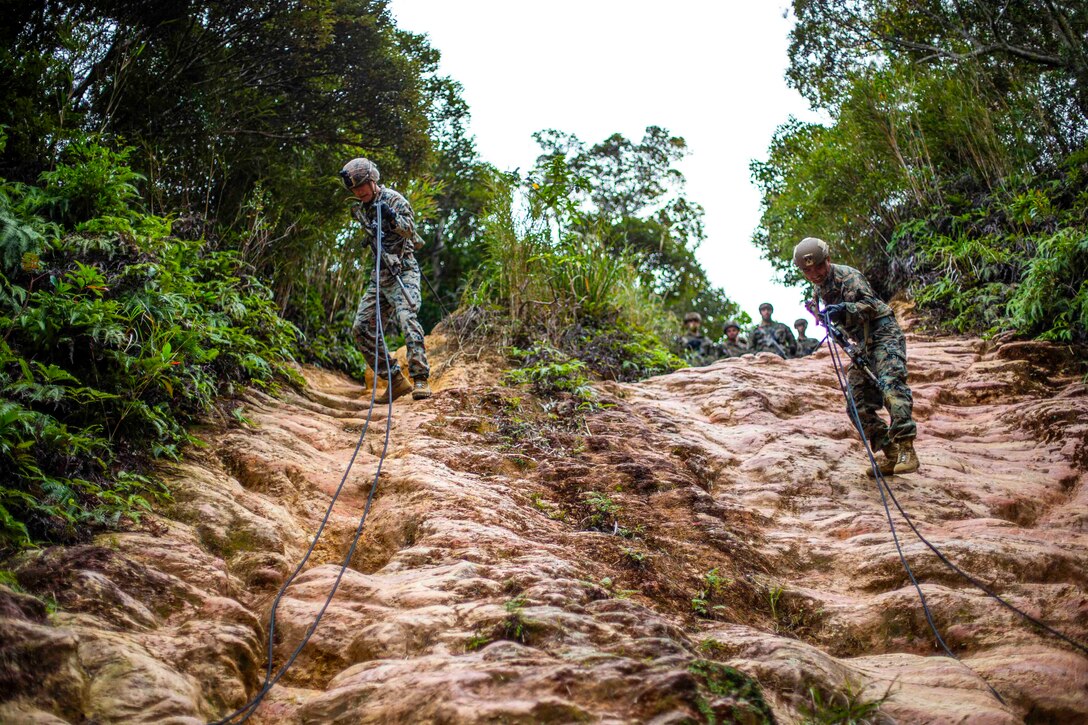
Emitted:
pixel 114 336
pixel 628 199
pixel 954 166
pixel 561 268
pixel 240 115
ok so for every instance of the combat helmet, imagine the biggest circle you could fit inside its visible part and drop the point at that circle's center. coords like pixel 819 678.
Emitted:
pixel 731 323
pixel 809 252
pixel 693 317
pixel 359 171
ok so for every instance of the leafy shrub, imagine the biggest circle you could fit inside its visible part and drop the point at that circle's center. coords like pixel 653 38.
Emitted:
pixel 114 336
pixel 618 350
pixel 550 372
pixel 565 295
pixel 1015 258
pixel 1053 298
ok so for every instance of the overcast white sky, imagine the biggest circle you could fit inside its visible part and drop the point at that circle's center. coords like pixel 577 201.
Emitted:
pixel 711 72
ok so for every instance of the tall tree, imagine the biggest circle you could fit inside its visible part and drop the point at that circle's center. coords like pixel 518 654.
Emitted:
pixel 633 198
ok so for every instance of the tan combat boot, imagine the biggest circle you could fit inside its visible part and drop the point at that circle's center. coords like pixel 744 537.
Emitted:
pixel 907 460
pixel 400 387
pixel 421 390
pixel 887 466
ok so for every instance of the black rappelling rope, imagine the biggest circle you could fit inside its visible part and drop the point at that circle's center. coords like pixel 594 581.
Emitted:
pixel 437 297
pixel 270 680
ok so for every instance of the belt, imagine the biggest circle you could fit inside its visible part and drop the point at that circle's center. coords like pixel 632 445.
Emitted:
pixel 872 326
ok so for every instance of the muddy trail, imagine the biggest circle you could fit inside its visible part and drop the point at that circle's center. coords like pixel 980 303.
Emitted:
pixel 706 548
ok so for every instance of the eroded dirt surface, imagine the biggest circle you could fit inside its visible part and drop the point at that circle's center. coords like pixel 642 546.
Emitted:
pixel 704 549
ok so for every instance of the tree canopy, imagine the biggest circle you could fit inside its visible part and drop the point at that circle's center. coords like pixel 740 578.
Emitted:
pixel 944 114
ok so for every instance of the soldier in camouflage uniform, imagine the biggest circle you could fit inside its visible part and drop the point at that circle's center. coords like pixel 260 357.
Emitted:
pixel 732 345
pixel 693 346
pixel 771 336
pixel 396 292
pixel 851 303
pixel 805 345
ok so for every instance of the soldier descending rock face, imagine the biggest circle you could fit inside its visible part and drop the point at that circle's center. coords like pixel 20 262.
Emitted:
pixel 851 303
pixel 771 336
pixel 732 346
pixel 805 345
pixel 692 346
pixel 396 293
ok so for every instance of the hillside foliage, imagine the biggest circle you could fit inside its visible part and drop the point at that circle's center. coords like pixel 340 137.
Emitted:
pixel 579 261
pixel 115 335
pixel 953 167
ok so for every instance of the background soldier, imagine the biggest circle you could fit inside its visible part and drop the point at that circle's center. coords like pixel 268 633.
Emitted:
pixel 732 346
pixel 695 348
pixel 851 303
pixel 396 292
pixel 771 336
pixel 805 345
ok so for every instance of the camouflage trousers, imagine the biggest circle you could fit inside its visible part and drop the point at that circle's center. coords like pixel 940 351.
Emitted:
pixel 887 354
pixel 401 305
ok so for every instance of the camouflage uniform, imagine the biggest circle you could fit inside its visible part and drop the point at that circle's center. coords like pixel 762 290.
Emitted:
pixel 733 349
pixel 772 337
pixel 872 323
pixel 697 349
pixel 399 239
pixel 807 346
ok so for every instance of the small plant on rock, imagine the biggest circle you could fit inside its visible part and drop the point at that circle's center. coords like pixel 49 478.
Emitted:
pixel 602 512
pixel 848 706
pixel 774 594
pixel 548 508
pixel 635 558
pixel 478 640
pixel 713 584
pixel 516 626
pixel 713 648
pixel 741 691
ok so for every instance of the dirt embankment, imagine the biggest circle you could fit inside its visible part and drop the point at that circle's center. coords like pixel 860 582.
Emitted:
pixel 706 548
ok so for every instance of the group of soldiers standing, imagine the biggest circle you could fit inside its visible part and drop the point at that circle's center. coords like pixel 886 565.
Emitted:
pixel 768 336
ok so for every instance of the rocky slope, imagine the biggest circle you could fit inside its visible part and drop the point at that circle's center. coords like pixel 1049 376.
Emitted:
pixel 705 549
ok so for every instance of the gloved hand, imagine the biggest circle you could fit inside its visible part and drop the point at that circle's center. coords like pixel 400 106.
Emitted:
pixel 836 313
pixel 391 263
pixel 389 217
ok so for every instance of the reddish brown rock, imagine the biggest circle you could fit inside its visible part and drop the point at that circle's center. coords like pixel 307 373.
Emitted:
pixel 704 547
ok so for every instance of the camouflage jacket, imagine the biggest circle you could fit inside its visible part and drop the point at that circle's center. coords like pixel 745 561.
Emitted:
pixel 697 350
pixel 398 233
pixel 733 349
pixel 773 337
pixel 849 286
pixel 807 346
